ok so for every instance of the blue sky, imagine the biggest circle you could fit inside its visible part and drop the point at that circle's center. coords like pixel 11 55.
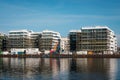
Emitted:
pixel 59 15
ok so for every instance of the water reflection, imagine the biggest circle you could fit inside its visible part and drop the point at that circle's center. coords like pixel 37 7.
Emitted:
pixel 88 69
pixel 59 69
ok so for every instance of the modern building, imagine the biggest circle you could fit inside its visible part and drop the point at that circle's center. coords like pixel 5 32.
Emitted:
pixel 118 50
pixel 64 45
pixel 23 42
pixel 34 36
pixel 101 40
pixel 3 42
pixel 19 39
pixel 49 40
pixel 1 39
pixel 73 38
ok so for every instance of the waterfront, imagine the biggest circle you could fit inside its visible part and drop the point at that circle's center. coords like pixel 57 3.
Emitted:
pixel 59 69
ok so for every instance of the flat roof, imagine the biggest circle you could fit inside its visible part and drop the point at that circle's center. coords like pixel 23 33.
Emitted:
pixel 97 27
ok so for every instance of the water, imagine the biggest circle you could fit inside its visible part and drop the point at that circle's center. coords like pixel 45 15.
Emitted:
pixel 59 69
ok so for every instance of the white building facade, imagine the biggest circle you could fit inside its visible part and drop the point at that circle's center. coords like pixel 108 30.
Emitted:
pixel 23 41
pixel 64 45
pixel 34 36
pixel 19 39
pixel 49 40
pixel 99 39
pixel 94 40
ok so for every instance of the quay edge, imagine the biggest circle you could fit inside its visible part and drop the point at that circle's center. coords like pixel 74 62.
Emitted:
pixel 61 56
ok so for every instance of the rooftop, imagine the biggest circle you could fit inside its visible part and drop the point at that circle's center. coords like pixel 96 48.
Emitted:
pixel 97 27
pixel 75 30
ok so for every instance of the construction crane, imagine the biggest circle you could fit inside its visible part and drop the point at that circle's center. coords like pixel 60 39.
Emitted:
pixel 55 48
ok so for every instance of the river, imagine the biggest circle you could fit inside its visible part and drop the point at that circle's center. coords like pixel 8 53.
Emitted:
pixel 59 69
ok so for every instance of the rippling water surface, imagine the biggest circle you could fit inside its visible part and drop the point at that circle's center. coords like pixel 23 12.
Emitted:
pixel 59 69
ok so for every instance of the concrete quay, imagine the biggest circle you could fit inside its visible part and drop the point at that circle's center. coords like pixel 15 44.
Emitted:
pixel 61 56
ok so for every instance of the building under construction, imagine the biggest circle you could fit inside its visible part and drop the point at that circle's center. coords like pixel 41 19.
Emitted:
pixel 100 40
pixel 49 40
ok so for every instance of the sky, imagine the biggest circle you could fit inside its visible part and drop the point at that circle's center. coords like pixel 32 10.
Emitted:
pixel 59 15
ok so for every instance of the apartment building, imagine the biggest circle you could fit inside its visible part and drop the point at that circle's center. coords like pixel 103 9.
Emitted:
pixel 101 40
pixel 1 39
pixel 3 42
pixel 73 39
pixel 34 36
pixel 64 44
pixel 25 39
pixel 49 40
pixel 19 39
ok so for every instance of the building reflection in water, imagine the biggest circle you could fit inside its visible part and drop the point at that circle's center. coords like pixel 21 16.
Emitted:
pixel 58 69
pixel 89 69
pixel 113 69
